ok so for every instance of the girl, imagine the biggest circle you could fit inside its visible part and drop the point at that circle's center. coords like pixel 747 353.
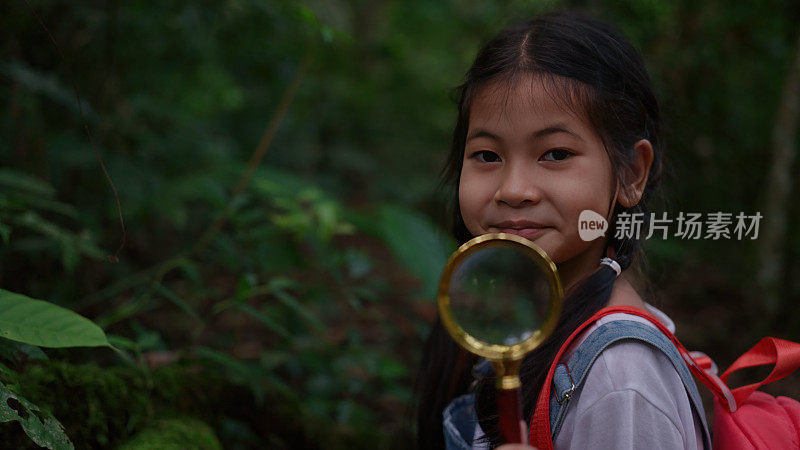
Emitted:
pixel 557 116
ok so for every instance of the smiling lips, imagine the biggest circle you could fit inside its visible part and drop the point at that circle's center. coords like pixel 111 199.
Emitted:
pixel 525 228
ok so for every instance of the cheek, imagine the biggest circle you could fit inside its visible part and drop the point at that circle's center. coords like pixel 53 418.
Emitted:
pixel 465 198
pixel 571 196
pixel 470 200
pixel 584 193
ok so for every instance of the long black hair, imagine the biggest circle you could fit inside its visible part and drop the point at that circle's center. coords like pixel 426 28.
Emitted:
pixel 592 69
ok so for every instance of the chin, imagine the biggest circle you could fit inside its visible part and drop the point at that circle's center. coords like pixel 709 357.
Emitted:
pixel 552 250
pixel 560 253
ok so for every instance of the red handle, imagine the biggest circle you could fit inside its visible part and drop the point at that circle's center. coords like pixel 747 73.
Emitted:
pixel 510 412
pixel 784 354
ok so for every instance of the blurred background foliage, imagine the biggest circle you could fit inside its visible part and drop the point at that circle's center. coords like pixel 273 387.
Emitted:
pixel 283 301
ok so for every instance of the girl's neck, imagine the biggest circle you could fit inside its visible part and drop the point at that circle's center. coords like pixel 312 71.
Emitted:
pixel 578 268
pixel 624 294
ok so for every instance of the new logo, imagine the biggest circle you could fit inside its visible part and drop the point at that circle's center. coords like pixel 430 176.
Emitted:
pixel 591 225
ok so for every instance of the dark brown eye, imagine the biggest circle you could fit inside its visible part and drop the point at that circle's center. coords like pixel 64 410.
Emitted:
pixel 557 154
pixel 486 156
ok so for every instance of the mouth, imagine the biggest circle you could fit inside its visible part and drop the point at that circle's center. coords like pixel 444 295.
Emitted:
pixel 524 228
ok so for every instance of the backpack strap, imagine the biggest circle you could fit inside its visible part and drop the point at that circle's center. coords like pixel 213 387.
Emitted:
pixel 540 430
pixel 570 377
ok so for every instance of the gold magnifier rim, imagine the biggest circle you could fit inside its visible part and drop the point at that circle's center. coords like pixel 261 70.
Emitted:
pixel 498 352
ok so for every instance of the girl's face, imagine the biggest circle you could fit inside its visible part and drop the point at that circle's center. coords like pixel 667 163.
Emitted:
pixel 530 167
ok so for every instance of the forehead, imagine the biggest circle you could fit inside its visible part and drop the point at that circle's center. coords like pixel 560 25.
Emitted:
pixel 528 101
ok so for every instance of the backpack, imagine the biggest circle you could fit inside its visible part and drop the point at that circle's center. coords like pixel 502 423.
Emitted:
pixel 744 418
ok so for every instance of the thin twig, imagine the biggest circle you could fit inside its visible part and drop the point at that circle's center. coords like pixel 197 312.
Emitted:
pixel 159 270
pixel 115 257
pixel 258 153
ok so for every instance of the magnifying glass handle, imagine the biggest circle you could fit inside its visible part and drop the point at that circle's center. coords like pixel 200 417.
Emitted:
pixel 512 428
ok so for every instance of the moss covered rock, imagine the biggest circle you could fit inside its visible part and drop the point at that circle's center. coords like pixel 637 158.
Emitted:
pixel 100 407
pixel 176 433
pixel 109 407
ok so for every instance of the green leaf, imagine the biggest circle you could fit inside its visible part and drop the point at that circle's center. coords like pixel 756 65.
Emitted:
pixel 190 269
pixel 288 300
pixel 307 15
pixel 39 425
pixel 41 323
pixel 263 318
pixel 20 181
pixel 176 300
pixel 137 304
pixel 44 83
pixel 10 374
pixel 24 201
pixel 5 232
pixel 11 350
pixel 123 342
pixel 421 246
pixel 72 245
pixel 246 373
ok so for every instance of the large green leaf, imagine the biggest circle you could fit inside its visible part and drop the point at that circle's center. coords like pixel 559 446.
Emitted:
pixel 420 245
pixel 37 322
pixel 39 425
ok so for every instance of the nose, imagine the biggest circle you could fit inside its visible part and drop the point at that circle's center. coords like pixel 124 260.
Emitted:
pixel 518 188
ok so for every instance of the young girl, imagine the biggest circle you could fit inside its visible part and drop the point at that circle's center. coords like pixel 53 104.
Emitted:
pixel 557 116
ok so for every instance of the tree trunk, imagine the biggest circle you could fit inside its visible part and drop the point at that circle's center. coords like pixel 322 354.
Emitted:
pixel 777 190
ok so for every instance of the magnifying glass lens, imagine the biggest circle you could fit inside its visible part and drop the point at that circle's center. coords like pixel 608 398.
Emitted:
pixel 500 295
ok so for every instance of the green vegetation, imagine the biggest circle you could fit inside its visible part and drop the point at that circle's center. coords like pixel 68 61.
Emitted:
pixel 276 166
pixel 175 434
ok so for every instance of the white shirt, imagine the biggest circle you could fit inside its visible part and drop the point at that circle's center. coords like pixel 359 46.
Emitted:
pixel 632 398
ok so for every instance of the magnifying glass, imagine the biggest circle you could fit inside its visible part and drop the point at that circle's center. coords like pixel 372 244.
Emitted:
pixel 499 298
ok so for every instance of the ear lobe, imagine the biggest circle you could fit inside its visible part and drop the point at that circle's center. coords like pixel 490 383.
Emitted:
pixel 628 199
pixel 636 174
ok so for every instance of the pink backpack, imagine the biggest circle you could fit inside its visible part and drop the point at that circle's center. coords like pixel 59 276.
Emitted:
pixel 744 418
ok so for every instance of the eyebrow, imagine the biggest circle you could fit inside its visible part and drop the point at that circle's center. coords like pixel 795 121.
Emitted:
pixel 552 129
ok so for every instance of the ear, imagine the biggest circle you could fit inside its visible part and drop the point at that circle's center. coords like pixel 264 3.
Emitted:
pixel 636 174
